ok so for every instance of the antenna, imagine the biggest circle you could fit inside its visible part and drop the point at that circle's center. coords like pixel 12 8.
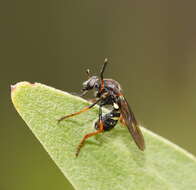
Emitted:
pixel 88 73
pixel 103 68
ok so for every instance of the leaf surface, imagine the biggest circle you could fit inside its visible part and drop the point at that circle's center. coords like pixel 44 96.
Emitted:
pixel 108 161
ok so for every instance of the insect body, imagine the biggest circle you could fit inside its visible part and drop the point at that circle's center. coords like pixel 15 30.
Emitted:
pixel 109 120
pixel 109 92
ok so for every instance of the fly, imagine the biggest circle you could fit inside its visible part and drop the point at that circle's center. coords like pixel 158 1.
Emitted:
pixel 109 92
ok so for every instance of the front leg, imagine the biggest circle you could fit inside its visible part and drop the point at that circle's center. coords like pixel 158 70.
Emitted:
pixel 79 112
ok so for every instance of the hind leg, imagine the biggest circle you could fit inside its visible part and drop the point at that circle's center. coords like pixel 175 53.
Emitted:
pixel 100 130
pixel 89 135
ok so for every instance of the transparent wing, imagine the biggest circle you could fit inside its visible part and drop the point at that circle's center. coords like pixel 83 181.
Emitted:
pixel 131 123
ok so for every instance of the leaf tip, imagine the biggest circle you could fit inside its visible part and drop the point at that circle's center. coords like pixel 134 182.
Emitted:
pixel 12 87
pixel 19 84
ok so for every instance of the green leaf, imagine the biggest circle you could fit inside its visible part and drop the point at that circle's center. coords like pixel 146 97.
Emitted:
pixel 108 161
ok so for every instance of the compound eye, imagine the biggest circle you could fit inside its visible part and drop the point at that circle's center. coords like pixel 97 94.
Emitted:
pixel 96 85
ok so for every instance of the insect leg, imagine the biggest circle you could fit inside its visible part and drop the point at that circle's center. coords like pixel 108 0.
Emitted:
pixel 81 111
pixel 92 100
pixel 83 93
pixel 91 134
pixel 122 121
pixel 100 113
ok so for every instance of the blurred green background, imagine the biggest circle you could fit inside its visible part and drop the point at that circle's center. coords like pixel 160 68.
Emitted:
pixel 151 46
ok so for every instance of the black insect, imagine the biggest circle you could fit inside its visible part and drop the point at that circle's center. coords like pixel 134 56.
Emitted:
pixel 109 92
